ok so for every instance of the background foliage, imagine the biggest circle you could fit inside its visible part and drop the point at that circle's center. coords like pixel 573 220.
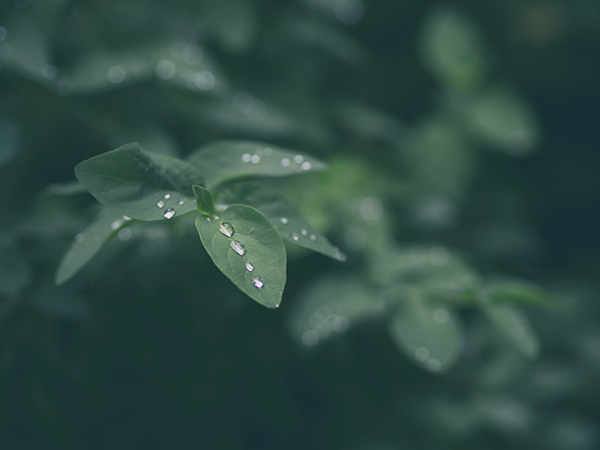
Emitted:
pixel 461 144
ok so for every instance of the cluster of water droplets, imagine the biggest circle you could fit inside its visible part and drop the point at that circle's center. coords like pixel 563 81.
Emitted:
pixel 227 230
pixel 260 154
pixel 326 320
pixel 169 212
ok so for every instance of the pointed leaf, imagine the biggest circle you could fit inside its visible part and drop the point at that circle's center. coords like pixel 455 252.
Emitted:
pixel 512 323
pixel 429 334
pixel 204 200
pixel 246 247
pixel 87 243
pixel 139 184
pixel 224 160
pixel 283 215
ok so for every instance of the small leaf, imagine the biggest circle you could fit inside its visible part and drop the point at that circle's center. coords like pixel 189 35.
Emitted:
pixel 246 247
pixel 331 306
pixel 204 200
pixel 225 160
pixel 283 215
pixel 139 184
pixel 429 334
pixel 512 323
pixel 87 243
pixel 14 270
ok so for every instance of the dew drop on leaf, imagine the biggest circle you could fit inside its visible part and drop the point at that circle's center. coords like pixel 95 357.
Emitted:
pixel 79 238
pixel 284 220
pixel 169 213
pixel 285 162
pixel 313 237
pixel 255 159
pixel 181 201
pixel 306 166
pixel 116 224
pixel 238 247
pixel 304 232
pixel 246 157
pixel 167 196
pixel 295 237
pixel 226 229
pixel 258 282
pixel 298 159
pixel 160 204
pixel 249 267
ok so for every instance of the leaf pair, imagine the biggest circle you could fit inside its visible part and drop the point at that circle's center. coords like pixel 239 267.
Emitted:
pixel 245 244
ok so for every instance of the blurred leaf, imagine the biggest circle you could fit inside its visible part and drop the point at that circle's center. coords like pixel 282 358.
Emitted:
pixel 14 269
pixel 428 334
pixel 224 160
pixel 66 189
pixel 453 50
pixel 330 306
pixel 177 63
pixel 435 271
pixel 283 215
pixel 369 123
pixel 138 184
pixel 87 243
pixel 513 325
pixel 520 293
pixel 205 202
pixel 248 250
pixel 439 157
pixel 9 134
pixel 502 119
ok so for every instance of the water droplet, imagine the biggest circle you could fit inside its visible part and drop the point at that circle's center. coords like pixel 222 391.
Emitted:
pixel 313 237
pixel 249 267
pixel 303 232
pixel 116 74
pixel 441 316
pixel 238 247
pixel 226 229
pixel 208 219
pixel 295 237
pixel 306 166
pixel 434 365
pixel 181 201
pixel 167 196
pixel 116 224
pixel 258 282
pixel 285 162
pixel 276 305
pixel 160 204
pixel 284 220
pixel 422 354
pixel 246 157
pixel 339 255
pixel 165 69
pixel 124 234
pixel 255 159
pixel 298 159
pixel 169 213
pixel 126 218
pixel 79 238
pixel 268 151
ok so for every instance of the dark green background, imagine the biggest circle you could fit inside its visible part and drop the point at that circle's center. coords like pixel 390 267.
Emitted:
pixel 150 347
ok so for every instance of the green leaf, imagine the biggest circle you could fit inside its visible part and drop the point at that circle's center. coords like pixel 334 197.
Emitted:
pixel 14 270
pixel 520 293
pixel 503 120
pixel 453 49
pixel 429 334
pixel 434 271
pixel 283 215
pixel 246 247
pixel 87 243
pixel 139 184
pixel 512 323
pixel 204 200
pixel 225 160
pixel 331 306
